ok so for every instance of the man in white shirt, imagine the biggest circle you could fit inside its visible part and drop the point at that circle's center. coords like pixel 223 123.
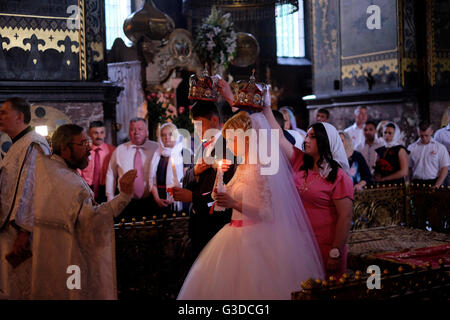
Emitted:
pixel 135 154
pixel 428 159
pixel 443 136
pixel 356 130
pixel 370 144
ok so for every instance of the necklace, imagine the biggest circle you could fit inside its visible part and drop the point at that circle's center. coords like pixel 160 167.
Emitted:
pixel 306 185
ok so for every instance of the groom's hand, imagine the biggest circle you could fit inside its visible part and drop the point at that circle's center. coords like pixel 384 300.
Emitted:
pixel 181 194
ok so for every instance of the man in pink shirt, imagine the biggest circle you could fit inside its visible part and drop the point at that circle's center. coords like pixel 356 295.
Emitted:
pixel 95 173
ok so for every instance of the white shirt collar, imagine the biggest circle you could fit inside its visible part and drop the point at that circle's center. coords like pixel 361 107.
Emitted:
pixel 143 146
pixel 355 126
pixel 419 142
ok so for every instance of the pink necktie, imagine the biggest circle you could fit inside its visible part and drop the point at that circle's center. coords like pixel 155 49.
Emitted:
pixel 139 185
pixel 97 169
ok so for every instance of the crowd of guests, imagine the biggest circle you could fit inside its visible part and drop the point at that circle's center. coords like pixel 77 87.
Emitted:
pixel 377 153
pixel 157 165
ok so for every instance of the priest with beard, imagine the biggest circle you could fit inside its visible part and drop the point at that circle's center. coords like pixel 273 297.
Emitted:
pixel 73 245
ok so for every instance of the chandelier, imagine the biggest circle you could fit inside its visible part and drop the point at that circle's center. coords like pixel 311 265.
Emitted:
pixel 241 10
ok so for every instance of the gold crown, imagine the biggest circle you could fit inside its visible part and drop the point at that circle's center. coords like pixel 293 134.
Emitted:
pixel 249 94
pixel 203 87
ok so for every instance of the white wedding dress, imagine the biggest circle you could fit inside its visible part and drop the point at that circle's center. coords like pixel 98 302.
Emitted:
pixel 267 250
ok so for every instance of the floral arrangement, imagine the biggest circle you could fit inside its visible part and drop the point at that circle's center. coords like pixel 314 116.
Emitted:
pixel 161 107
pixel 183 120
pixel 157 111
pixel 216 39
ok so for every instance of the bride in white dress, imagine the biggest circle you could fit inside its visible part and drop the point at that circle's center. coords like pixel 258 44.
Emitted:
pixel 269 248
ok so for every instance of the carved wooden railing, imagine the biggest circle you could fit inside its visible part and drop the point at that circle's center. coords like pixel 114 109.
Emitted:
pixel 405 283
pixel 153 257
pixel 416 206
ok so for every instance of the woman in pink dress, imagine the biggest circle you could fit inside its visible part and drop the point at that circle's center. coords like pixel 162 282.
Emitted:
pixel 324 187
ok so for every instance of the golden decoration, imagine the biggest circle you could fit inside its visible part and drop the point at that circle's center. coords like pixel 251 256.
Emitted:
pixel 42 34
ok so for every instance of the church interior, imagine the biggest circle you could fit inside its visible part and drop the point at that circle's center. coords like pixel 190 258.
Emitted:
pixel 111 62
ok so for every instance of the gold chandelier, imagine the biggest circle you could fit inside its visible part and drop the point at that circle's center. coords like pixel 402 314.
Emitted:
pixel 241 10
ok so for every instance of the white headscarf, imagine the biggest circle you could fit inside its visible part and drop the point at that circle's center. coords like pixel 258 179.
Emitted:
pixel 337 150
pixel 397 140
pixel 175 156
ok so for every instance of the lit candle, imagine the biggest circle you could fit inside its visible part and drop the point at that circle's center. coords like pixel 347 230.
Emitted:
pixel 220 185
pixel 176 183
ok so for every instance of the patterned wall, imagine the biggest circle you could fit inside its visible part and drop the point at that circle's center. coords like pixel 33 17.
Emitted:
pixel 367 51
pixel 95 39
pixel 345 49
pixel 326 47
pixel 439 48
pixel 40 42
pixel 408 44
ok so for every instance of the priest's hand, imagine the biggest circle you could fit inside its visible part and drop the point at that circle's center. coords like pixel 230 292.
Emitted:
pixel 181 194
pixel 126 182
pixel 22 244
pixel 224 200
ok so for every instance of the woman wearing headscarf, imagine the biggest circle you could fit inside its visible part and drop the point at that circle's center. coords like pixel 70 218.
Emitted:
pixel 325 188
pixel 391 166
pixel 359 170
pixel 290 124
pixel 167 167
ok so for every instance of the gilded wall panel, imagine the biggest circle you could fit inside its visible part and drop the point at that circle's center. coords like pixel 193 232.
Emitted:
pixel 43 40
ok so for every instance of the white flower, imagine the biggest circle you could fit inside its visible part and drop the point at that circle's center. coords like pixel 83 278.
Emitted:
pixel 210 36
pixel 210 45
pixel 233 36
pixel 231 49
pixel 217 30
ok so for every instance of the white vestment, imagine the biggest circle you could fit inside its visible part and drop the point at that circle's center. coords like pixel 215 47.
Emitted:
pixel 72 231
pixel 17 177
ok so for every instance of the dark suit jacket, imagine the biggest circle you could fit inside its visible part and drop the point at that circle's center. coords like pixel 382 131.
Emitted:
pixel 203 225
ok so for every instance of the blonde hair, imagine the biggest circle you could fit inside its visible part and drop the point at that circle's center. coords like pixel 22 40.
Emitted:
pixel 348 144
pixel 240 120
pixel 173 128
pixel 380 128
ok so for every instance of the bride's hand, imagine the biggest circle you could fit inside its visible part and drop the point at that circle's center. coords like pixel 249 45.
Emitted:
pixel 224 200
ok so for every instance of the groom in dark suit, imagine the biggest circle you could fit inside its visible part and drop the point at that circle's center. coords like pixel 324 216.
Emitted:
pixel 198 181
